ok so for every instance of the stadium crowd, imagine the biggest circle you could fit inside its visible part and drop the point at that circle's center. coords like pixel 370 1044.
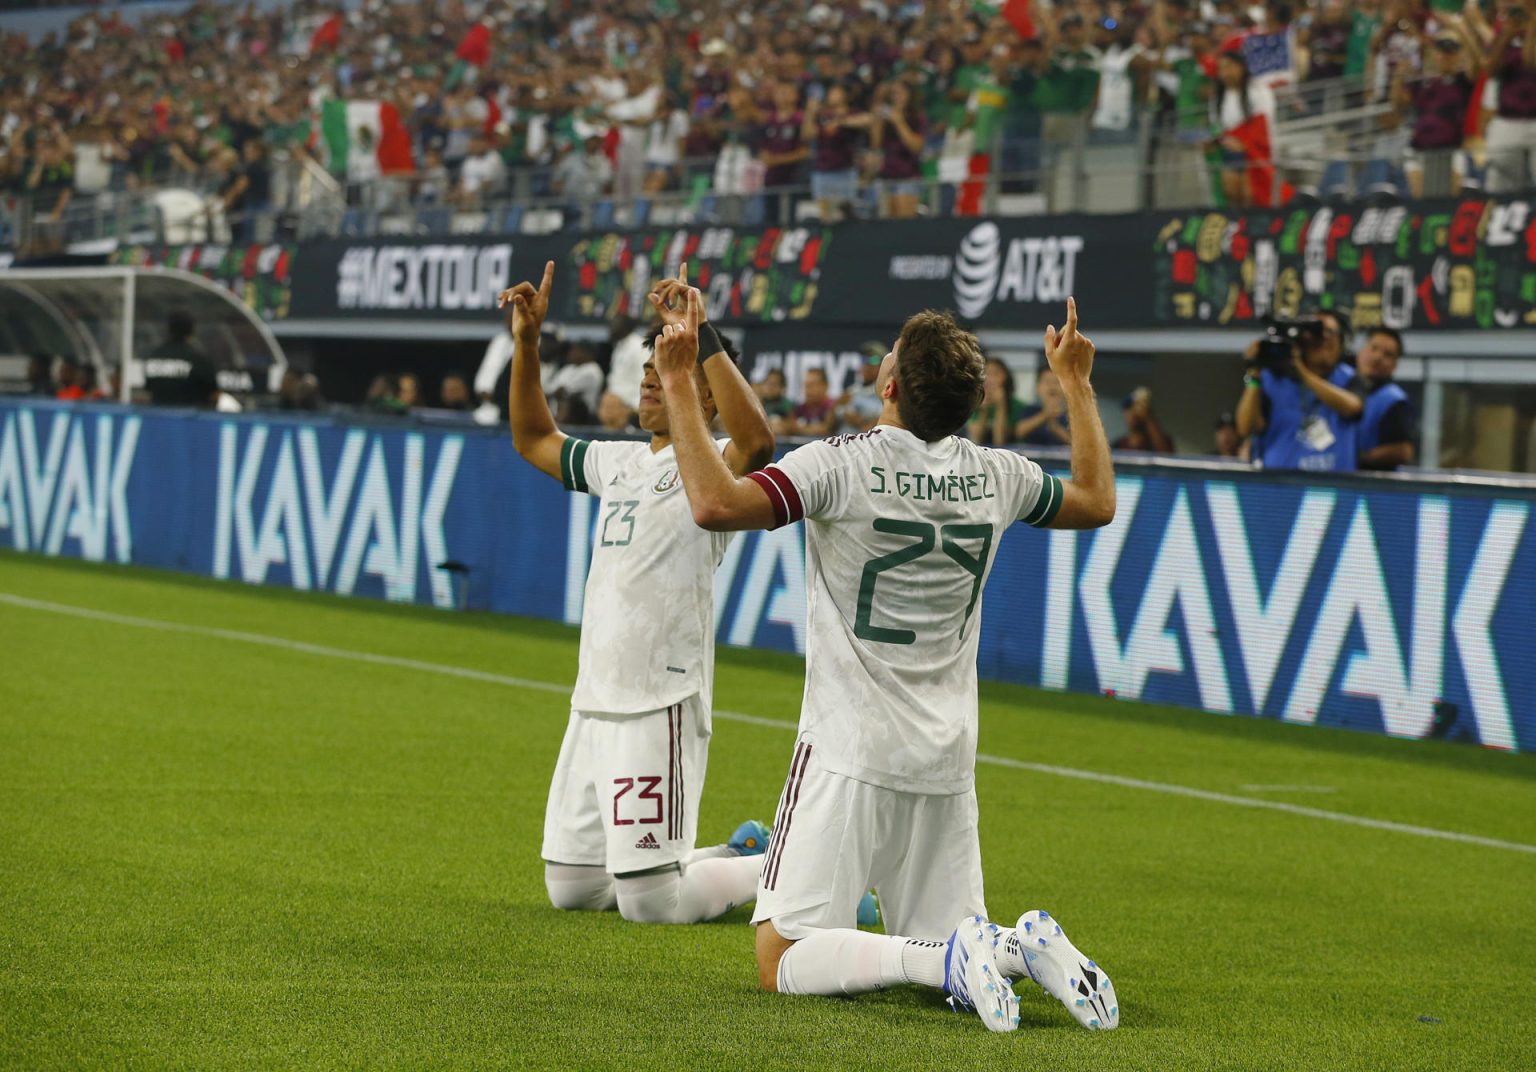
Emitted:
pixel 453 104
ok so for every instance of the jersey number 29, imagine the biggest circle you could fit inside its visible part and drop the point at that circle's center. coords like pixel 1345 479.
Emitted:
pixel 925 536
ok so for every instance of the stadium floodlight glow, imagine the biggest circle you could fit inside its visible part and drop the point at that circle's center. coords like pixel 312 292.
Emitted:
pixel 108 316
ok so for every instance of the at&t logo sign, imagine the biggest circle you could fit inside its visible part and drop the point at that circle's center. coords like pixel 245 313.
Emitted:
pixel 988 269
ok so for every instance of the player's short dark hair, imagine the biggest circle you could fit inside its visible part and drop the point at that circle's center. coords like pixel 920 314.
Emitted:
pixel 1391 333
pixel 940 374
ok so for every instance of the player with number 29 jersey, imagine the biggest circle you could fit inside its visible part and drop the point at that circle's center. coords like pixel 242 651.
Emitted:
pixel 901 523
pixel 900 536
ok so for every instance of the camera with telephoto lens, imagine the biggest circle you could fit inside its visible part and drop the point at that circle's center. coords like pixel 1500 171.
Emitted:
pixel 1283 341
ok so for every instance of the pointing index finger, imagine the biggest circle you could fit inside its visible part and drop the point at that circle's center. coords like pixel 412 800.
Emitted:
pixel 549 279
pixel 695 309
pixel 682 273
pixel 1072 315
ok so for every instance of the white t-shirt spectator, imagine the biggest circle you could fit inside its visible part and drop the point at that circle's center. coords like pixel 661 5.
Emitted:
pixel 664 139
pixel 483 174
pixel 92 169
pixel 1117 88
pixel 625 112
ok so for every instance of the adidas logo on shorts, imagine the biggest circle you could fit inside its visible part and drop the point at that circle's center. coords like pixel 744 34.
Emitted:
pixel 648 842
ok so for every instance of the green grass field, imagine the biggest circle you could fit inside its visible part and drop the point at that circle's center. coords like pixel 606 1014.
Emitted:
pixel 220 853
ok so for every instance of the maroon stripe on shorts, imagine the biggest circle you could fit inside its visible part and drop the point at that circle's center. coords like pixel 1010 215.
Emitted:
pixel 671 774
pixel 682 793
pixel 781 829
pixel 778 816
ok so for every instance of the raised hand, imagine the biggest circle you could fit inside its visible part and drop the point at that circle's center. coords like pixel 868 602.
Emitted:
pixel 527 307
pixel 670 295
pixel 1069 353
pixel 677 347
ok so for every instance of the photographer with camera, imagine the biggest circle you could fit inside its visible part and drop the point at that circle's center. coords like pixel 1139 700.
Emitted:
pixel 1302 402
pixel 1385 437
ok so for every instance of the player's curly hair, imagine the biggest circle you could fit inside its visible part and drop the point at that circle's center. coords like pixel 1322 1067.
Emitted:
pixel 940 374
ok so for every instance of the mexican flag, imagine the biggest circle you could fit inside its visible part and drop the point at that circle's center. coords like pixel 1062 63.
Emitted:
pixel 342 122
pixel 327 37
pixel 1265 188
pixel 473 51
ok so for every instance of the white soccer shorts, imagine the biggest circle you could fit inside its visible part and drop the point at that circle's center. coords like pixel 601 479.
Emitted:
pixel 834 837
pixel 626 790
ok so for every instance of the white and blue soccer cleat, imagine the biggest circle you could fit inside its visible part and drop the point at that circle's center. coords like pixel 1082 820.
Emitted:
pixel 1063 972
pixel 972 978
pixel 750 839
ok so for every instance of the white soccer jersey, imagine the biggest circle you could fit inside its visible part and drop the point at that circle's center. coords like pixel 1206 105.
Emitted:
pixel 900 536
pixel 647 624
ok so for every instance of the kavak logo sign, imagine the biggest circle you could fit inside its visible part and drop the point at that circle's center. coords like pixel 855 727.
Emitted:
pixel 993 273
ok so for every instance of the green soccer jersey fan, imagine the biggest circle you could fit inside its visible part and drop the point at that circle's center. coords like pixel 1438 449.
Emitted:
pixel 622 816
pixel 901 522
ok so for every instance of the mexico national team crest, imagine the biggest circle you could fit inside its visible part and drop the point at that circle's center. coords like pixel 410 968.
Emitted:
pixel 668 482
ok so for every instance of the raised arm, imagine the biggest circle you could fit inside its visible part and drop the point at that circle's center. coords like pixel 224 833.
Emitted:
pixel 534 432
pixel 740 409
pixel 1344 403
pixel 721 501
pixel 1088 499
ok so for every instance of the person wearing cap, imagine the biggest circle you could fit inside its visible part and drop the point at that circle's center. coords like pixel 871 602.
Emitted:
pixel 861 405
pixel 1436 163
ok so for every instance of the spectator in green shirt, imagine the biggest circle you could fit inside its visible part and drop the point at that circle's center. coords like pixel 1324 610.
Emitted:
pixel 1365 20
pixel 991 98
pixel 1021 124
pixel 970 74
pixel 1070 84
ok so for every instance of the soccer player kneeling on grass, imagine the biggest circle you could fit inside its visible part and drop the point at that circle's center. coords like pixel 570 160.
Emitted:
pixel 622 817
pixel 901 522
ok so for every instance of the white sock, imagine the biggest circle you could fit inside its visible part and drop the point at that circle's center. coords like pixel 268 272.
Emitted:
pixel 578 888
pixel 855 962
pixel 703 890
pixel 1010 955
pixel 710 852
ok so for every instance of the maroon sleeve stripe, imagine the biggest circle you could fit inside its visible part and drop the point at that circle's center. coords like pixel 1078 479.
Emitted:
pixel 787 507
pixel 775 498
